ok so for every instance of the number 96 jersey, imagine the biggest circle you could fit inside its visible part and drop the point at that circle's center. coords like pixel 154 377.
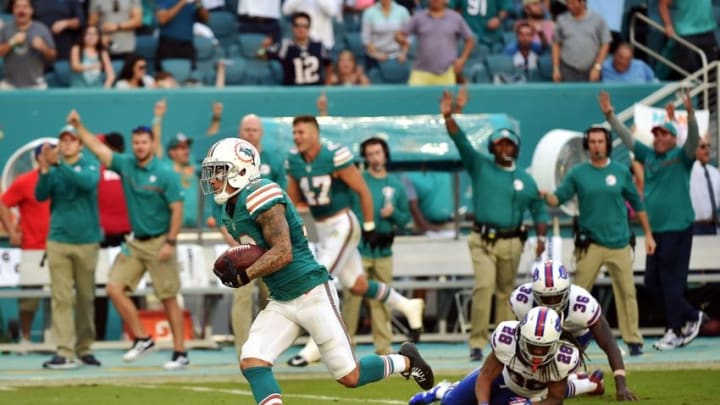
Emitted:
pixel 518 375
pixel 582 310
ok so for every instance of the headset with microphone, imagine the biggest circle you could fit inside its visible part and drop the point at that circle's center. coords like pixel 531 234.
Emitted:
pixel 608 138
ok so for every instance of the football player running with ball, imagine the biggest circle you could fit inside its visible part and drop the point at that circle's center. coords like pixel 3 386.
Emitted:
pixel 529 364
pixel 257 211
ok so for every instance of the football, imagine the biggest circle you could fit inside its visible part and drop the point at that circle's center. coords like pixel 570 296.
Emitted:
pixel 230 266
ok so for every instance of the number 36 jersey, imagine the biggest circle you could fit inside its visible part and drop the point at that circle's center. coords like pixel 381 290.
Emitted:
pixel 321 189
pixel 582 310
pixel 518 375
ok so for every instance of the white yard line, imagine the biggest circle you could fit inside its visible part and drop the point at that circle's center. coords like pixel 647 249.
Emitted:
pixel 246 393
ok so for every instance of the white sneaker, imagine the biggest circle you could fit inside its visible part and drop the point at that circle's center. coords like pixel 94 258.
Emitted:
pixel 140 347
pixel 669 341
pixel 179 361
pixel 692 328
pixel 413 311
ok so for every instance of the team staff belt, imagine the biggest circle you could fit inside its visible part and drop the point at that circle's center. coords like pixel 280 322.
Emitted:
pixel 143 238
pixel 706 222
pixel 489 231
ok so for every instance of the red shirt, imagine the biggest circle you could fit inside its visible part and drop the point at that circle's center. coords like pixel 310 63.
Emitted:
pixel 111 203
pixel 34 215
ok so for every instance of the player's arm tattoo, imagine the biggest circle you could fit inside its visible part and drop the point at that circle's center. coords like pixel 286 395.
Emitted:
pixel 276 233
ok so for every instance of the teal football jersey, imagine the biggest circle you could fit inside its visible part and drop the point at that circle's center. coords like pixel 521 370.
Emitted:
pixel 324 193
pixel 304 272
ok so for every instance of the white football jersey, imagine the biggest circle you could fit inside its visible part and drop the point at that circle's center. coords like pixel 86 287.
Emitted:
pixel 582 311
pixel 518 375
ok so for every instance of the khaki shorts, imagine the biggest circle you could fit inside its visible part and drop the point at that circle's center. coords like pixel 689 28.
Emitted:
pixel 138 256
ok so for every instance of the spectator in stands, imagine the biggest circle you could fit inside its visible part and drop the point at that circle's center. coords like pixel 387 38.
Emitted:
pixel 524 50
pixel 667 198
pixel 535 15
pixel 391 210
pixel 502 194
pixel 623 67
pixel 602 236
pixel 305 62
pixel 29 233
pixel 64 19
pixel 704 191
pixel 89 60
pixel 25 46
pixel 693 21
pixel 436 31
pixel 379 25
pixel 70 180
pixel 321 13
pixel 348 72
pixel 114 219
pixel 156 219
pixel 485 20
pixel 580 44
pixel 117 20
pixel 262 17
pixel 134 75
pixel 176 19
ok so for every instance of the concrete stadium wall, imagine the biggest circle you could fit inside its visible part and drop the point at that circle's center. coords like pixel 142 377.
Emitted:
pixel 26 115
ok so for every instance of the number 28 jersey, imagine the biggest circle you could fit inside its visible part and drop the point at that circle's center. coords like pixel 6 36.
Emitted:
pixel 302 66
pixel 519 376
pixel 582 310
pixel 323 192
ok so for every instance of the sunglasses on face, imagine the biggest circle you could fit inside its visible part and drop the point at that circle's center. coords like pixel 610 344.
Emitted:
pixel 141 67
pixel 301 25
pixel 704 146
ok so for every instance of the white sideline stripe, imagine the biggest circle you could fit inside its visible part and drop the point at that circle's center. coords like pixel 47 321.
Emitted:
pixel 4 388
pixel 285 395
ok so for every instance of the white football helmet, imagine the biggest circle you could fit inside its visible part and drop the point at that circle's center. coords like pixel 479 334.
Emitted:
pixel 540 332
pixel 551 284
pixel 233 162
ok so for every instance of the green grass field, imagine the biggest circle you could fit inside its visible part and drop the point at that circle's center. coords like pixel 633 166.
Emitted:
pixel 653 387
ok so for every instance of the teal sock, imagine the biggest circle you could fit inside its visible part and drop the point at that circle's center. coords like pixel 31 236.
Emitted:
pixel 377 291
pixel 374 368
pixel 263 383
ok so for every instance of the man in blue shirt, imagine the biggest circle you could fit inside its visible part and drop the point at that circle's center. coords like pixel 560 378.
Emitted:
pixel 623 67
pixel 176 19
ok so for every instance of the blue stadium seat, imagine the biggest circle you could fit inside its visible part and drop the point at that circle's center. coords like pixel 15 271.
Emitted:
pixel 248 44
pixel 6 17
pixel 392 72
pixel 206 57
pixel 180 68
pixel 60 77
pixel 117 66
pixel 477 73
pixel 545 67
pixel 145 46
pixel 224 26
pixel 231 6
pixel 500 64
pixel 234 72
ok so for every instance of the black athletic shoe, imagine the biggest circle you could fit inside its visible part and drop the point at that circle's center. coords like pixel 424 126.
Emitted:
pixel 419 369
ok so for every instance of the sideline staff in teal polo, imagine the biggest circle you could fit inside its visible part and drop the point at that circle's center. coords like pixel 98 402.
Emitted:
pixel 69 180
pixel 155 204
pixel 501 196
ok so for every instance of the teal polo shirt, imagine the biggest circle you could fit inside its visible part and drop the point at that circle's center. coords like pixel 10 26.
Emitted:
pixel 149 191
pixel 190 184
pixel 72 189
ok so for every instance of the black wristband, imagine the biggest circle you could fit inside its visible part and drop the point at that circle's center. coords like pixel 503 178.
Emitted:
pixel 243 276
pixel 171 242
